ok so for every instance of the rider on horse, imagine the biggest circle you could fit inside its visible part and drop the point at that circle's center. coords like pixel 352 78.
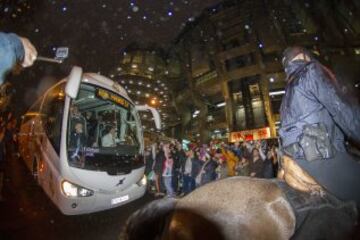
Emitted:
pixel 315 116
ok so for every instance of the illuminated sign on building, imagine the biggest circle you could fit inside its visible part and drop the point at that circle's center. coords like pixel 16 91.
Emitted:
pixel 248 135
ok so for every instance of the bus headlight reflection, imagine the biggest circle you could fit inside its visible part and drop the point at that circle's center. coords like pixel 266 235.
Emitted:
pixel 73 190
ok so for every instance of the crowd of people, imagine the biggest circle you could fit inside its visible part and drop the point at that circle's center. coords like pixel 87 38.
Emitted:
pixel 176 170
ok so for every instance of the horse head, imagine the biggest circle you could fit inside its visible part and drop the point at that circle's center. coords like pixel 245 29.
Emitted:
pixel 233 208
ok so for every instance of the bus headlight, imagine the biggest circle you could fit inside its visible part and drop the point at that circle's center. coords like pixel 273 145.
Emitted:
pixel 73 190
pixel 142 181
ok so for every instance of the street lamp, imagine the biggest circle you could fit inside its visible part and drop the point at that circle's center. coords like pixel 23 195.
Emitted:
pixel 153 102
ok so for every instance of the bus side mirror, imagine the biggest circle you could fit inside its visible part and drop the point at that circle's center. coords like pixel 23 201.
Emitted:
pixel 155 113
pixel 73 82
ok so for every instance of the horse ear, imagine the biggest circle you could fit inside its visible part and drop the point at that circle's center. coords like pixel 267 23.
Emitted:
pixel 150 221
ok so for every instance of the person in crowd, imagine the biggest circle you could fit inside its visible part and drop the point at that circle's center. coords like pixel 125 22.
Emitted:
pixel 236 148
pixel 208 170
pixel 176 166
pixel 149 162
pixel 199 162
pixel 242 167
pixel 268 168
pixel 315 117
pixel 167 171
pixel 181 156
pixel 196 165
pixel 246 149
pixel 188 173
pixel 256 163
pixel 273 157
pixel 222 169
pixel 204 164
pixel 158 168
pixel 110 139
pixel 231 160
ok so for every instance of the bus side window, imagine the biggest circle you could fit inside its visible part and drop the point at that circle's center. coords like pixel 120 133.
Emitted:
pixel 52 111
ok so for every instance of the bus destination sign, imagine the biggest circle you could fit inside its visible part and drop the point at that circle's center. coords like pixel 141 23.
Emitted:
pixel 105 95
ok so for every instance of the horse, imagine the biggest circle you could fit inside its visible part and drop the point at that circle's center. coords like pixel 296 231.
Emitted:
pixel 245 208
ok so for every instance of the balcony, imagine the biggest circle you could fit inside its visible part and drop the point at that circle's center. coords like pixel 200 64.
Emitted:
pixel 205 78
pixel 243 50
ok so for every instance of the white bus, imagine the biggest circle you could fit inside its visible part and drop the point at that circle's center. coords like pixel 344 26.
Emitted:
pixel 83 143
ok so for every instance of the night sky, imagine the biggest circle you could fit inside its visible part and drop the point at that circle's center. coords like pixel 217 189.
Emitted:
pixel 97 31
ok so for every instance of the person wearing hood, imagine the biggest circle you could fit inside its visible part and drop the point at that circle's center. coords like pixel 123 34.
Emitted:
pixel 315 117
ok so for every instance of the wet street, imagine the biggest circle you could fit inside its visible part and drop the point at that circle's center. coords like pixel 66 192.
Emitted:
pixel 27 213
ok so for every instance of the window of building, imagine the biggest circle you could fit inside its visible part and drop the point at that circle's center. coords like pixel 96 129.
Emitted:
pixel 239 62
pixel 233 43
pixel 150 60
pixel 238 98
pixel 137 59
pixel 270 57
pixel 276 103
pixel 248 103
pixel 126 59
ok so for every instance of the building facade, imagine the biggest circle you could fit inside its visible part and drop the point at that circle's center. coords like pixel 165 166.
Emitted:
pixel 147 76
pixel 231 78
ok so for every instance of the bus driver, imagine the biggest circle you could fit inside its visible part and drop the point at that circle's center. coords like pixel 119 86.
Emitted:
pixel 110 140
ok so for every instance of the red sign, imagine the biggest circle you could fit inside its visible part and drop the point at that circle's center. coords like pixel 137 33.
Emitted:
pixel 248 135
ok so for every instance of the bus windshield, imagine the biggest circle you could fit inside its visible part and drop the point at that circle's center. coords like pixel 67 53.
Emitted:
pixel 103 131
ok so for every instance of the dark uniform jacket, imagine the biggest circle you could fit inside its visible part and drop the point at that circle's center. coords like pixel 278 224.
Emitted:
pixel 311 98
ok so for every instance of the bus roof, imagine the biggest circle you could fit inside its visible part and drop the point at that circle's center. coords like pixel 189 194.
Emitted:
pixel 106 83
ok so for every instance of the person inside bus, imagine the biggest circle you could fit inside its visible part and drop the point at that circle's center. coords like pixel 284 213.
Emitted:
pixel 77 142
pixel 91 128
pixel 76 117
pixel 110 139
